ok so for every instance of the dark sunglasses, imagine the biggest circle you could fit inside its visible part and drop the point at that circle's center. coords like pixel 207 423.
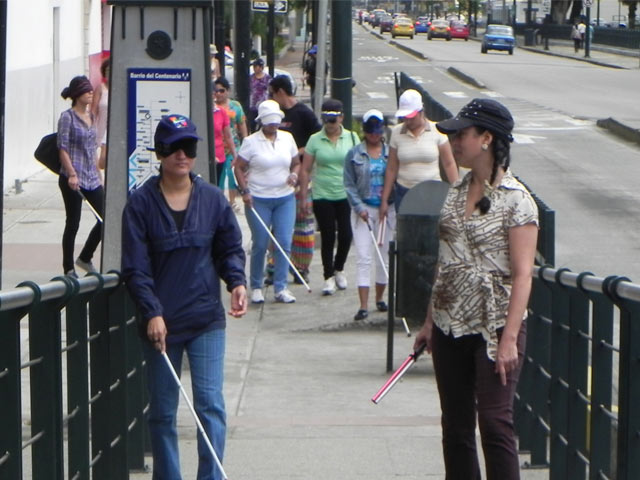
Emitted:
pixel 188 145
pixel 221 90
pixel 330 119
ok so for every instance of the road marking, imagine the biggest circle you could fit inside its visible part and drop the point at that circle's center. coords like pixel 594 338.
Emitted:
pixel 576 121
pixel 526 139
pixel 377 95
pixel 492 94
pixel 456 94
pixel 377 58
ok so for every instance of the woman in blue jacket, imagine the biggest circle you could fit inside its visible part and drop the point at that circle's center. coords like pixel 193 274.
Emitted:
pixel 364 170
pixel 179 237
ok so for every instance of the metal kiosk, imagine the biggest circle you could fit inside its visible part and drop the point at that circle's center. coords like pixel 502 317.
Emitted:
pixel 160 64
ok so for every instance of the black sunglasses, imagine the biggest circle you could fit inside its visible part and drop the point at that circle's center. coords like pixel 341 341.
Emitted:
pixel 330 119
pixel 188 145
pixel 221 90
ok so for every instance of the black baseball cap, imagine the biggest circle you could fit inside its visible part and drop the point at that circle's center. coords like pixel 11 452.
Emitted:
pixel 480 112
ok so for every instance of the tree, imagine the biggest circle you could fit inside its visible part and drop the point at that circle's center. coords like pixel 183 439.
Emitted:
pixel 633 6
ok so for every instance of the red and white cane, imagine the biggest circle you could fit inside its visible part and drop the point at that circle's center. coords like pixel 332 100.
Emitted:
pixel 195 415
pixel 397 375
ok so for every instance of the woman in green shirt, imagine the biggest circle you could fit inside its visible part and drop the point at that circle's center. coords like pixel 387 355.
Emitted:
pixel 323 164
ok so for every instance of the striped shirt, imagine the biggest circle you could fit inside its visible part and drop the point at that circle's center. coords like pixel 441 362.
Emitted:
pixel 80 142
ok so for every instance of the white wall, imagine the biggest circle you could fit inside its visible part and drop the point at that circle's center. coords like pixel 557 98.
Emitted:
pixel 34 83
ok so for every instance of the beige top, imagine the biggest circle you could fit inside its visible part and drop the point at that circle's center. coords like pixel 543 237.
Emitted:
pixel 418 157
pixel 472 291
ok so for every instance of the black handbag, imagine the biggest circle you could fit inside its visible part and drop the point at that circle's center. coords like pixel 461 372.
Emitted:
pixel 47 152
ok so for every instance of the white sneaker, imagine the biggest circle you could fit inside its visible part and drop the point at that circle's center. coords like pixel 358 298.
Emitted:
pixel 329 286
pixel 86 266
pixel 257 296
pixel 341 280
pixel 285 296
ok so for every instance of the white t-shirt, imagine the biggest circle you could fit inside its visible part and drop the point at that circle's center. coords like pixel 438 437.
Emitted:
pixel 269 163
pixel 418 157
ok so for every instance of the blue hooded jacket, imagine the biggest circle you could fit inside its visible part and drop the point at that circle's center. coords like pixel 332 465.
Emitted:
pixel 176 274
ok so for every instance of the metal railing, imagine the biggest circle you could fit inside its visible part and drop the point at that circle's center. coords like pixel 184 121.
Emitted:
pixel 576 406
pixel 71 383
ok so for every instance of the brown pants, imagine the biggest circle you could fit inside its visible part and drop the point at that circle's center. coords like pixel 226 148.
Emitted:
pixel 468 386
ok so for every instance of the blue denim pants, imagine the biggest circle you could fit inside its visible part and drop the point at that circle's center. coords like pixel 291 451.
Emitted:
pixel 279 214
pixel 206 363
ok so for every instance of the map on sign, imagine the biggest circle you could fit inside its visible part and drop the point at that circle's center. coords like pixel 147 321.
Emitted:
pixel 279 6
pixel 152 93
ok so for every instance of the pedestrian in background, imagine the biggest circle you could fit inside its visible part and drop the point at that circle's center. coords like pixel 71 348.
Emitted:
pixel 323 165
pixel 267 169
pixel 259 90
pixel 238 130
pixel 79 175
pixel 475 326
pixel 100 110
pixel 364 171
pixel 417 152
pixel 576 37
pixel 223 140
pixel 179 238
pixel 301 122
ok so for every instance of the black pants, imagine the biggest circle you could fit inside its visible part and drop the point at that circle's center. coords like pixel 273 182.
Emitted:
pixel 468 386
pixel 73 208
pixel 333 216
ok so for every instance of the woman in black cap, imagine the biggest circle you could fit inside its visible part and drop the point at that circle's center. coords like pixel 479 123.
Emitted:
pixel 475 326
pixel 259 88
pixel 327 149
pixel 79 175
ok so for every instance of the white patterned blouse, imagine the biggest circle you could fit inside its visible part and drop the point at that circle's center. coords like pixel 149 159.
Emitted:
pixel 471 294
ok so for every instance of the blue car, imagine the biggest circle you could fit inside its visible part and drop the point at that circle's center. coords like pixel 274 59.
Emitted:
pixel 498 37
pixel 422 25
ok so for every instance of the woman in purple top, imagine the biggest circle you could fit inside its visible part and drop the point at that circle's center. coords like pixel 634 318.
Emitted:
pixel 259 88
pixel 79 176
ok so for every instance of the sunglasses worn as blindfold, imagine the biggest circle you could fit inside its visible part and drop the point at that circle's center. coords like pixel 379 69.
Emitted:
pixel 329 118
pixel 188 145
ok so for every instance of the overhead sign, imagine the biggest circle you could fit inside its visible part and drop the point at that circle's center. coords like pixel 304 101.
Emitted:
pixel 587 3
pixel 279 6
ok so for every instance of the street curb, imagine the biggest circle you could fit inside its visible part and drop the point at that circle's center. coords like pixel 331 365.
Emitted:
pixel 409 50
pixel 620 130
pixel 465 78
pixel 571 57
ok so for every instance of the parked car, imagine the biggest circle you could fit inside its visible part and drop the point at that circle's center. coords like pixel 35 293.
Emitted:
pixel 229 71
pixel 377 14
pixel 498 37
pixel 422 24
pixel 439 29
pixel 402 27
pixel 386 22
pixel 459 29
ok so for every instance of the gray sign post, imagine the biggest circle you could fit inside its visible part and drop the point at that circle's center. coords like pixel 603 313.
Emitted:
pixel 160 64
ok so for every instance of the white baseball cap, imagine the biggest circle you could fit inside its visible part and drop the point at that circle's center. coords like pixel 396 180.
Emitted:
pixel 410 104
pixel 269 112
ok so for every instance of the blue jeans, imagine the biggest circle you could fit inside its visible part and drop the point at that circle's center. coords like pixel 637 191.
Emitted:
pixel 279 214
pixel 206 362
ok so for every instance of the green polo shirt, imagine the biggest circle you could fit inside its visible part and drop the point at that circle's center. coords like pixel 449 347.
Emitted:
pixel 327 175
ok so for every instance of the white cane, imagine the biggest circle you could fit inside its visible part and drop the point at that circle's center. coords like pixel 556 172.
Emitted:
pixel 275 242
pixel 95 212
pixel 384 268
pixel 195 416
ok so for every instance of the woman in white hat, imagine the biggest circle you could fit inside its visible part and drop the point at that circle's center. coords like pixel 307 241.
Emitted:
pixel 417 151
pixel 364 170
pixel 267 169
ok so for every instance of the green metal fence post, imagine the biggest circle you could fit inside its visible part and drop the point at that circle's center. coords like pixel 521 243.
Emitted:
pixel 578 371
pixel 77 381
pixel 601 381
pixel 10 395
pixel 47 455
pixel 100 386
pixel 559 369
pixel 628 457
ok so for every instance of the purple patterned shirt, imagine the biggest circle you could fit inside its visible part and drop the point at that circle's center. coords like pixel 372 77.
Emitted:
pixel 259 88
pixel 80 142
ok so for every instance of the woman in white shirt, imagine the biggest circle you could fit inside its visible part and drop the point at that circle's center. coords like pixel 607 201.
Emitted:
pixel 267 168
pixel 416 152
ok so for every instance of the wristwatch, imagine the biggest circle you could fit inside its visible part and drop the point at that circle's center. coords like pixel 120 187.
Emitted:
pixel 243 191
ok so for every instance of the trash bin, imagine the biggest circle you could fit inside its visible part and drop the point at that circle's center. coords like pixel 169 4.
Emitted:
pixel 529 37
pixel 417 249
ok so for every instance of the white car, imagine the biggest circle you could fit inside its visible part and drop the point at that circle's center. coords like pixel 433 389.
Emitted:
pixel 229 73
